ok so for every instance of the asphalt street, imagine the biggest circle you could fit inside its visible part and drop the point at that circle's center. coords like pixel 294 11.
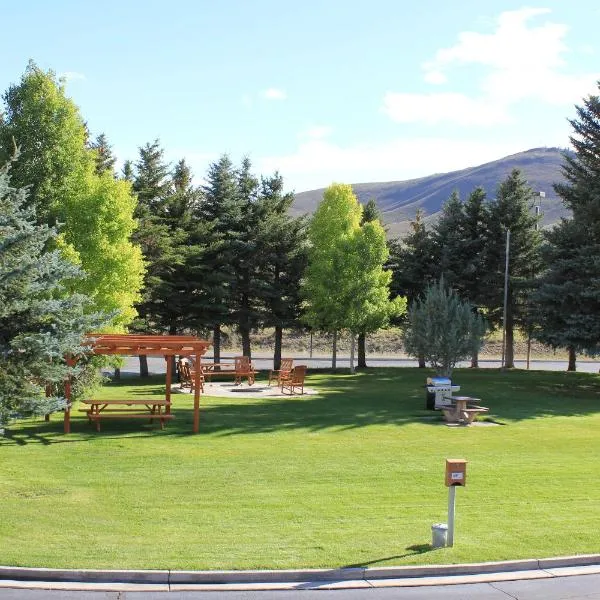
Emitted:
pixel 157 365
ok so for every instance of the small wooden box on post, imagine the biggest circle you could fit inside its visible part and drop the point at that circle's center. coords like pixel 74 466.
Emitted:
pixel 456 472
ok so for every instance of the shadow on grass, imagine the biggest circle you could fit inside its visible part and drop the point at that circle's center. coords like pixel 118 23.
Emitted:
pixel 381 396
pixel 414 550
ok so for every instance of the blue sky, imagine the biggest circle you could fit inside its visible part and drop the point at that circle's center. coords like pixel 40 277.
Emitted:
pixel 321 90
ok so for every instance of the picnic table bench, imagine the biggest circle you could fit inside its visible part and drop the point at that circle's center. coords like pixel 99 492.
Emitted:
pixel 464 410
pixel 240 368
pixel 127 409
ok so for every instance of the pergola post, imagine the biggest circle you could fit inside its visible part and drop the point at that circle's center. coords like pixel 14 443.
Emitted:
pixel 168 378
pixel 197 374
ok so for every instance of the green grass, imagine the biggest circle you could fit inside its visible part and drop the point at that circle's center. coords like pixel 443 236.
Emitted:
pixel 352 476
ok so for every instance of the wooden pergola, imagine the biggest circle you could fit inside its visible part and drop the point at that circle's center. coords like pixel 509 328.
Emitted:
pixel 148 345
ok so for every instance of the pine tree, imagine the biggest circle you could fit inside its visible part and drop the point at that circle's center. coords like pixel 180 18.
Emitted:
pixel 40 322
pixel 246 285
pixel 218 218
pixel 105 160
pixel 442 328
pixel 511 211
pixel 449 244
pixel 568 298
pixel 127 172
pixel 282 253
pixel 412 262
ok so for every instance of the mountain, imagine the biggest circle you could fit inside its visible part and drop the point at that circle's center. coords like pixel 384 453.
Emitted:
pixel 398 201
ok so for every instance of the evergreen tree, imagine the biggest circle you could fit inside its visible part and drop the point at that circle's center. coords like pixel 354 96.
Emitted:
pixel 449 244
pixel 568 298
pixel 127 172
pixel 105 160
pixel 282 253
pixel 152 185
pixel 218 219
pixel 172 305
pixel 442 328
pixel 511 211
pixel 246 289
pixel 565 302
pixel 40 322
pixel 412 262
pixel 459 239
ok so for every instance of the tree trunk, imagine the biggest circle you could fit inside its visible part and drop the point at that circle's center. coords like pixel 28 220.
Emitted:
pixel 362 354
pixel 143 365
pixel 277 351
pixel 509 358
pixel 117 374
pixel 217 344
pixel 352 343
pixel 572 359
pixel 245 334
pixel 422 364
pixel 475 360
pixel 334 352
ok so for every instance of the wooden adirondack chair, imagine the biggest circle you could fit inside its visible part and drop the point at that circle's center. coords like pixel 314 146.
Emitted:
pixel 284 371
pixel 244 368
pixel 187 375
pixel 295 380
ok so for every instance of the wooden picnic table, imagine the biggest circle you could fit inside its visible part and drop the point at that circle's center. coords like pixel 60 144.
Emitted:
pixel 239 370
pixel 127 409
pixel 463 410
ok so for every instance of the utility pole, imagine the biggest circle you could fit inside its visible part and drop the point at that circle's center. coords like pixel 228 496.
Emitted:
pixel 505 297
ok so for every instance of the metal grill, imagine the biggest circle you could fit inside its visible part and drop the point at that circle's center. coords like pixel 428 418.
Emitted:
pixel 439 392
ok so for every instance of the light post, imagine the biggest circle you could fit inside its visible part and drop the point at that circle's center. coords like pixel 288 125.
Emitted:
pixel 507 256
pixel 536 208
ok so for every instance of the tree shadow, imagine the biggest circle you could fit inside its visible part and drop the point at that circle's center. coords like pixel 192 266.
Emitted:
pixel 414 550
pixel 390 396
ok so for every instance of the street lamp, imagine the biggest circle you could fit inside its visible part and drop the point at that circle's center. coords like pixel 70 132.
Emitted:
pixel 536 207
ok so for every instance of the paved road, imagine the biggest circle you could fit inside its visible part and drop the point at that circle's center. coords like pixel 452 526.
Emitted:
pixel 583 587
pixel 157 365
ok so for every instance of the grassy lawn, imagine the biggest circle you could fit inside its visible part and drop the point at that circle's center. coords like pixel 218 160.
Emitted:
pixel 352 476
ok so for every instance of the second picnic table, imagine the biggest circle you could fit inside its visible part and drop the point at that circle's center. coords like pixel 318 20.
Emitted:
pixel 128 409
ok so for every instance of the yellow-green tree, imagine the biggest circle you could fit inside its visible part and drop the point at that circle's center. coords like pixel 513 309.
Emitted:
pixel 345 285
pixel 95 210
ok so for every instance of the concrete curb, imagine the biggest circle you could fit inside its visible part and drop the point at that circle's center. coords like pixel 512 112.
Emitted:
pixel 77 579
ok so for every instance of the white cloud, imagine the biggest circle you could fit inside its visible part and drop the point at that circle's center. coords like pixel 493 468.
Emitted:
pixel 435 77
pixel 274 94
pixel 316 163
pixel 316 132
pixel 71 76
pixel 523 61
pixel 435 108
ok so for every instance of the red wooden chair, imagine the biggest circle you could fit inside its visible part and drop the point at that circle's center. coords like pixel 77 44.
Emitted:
pixel 295 380
pixel 283 372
